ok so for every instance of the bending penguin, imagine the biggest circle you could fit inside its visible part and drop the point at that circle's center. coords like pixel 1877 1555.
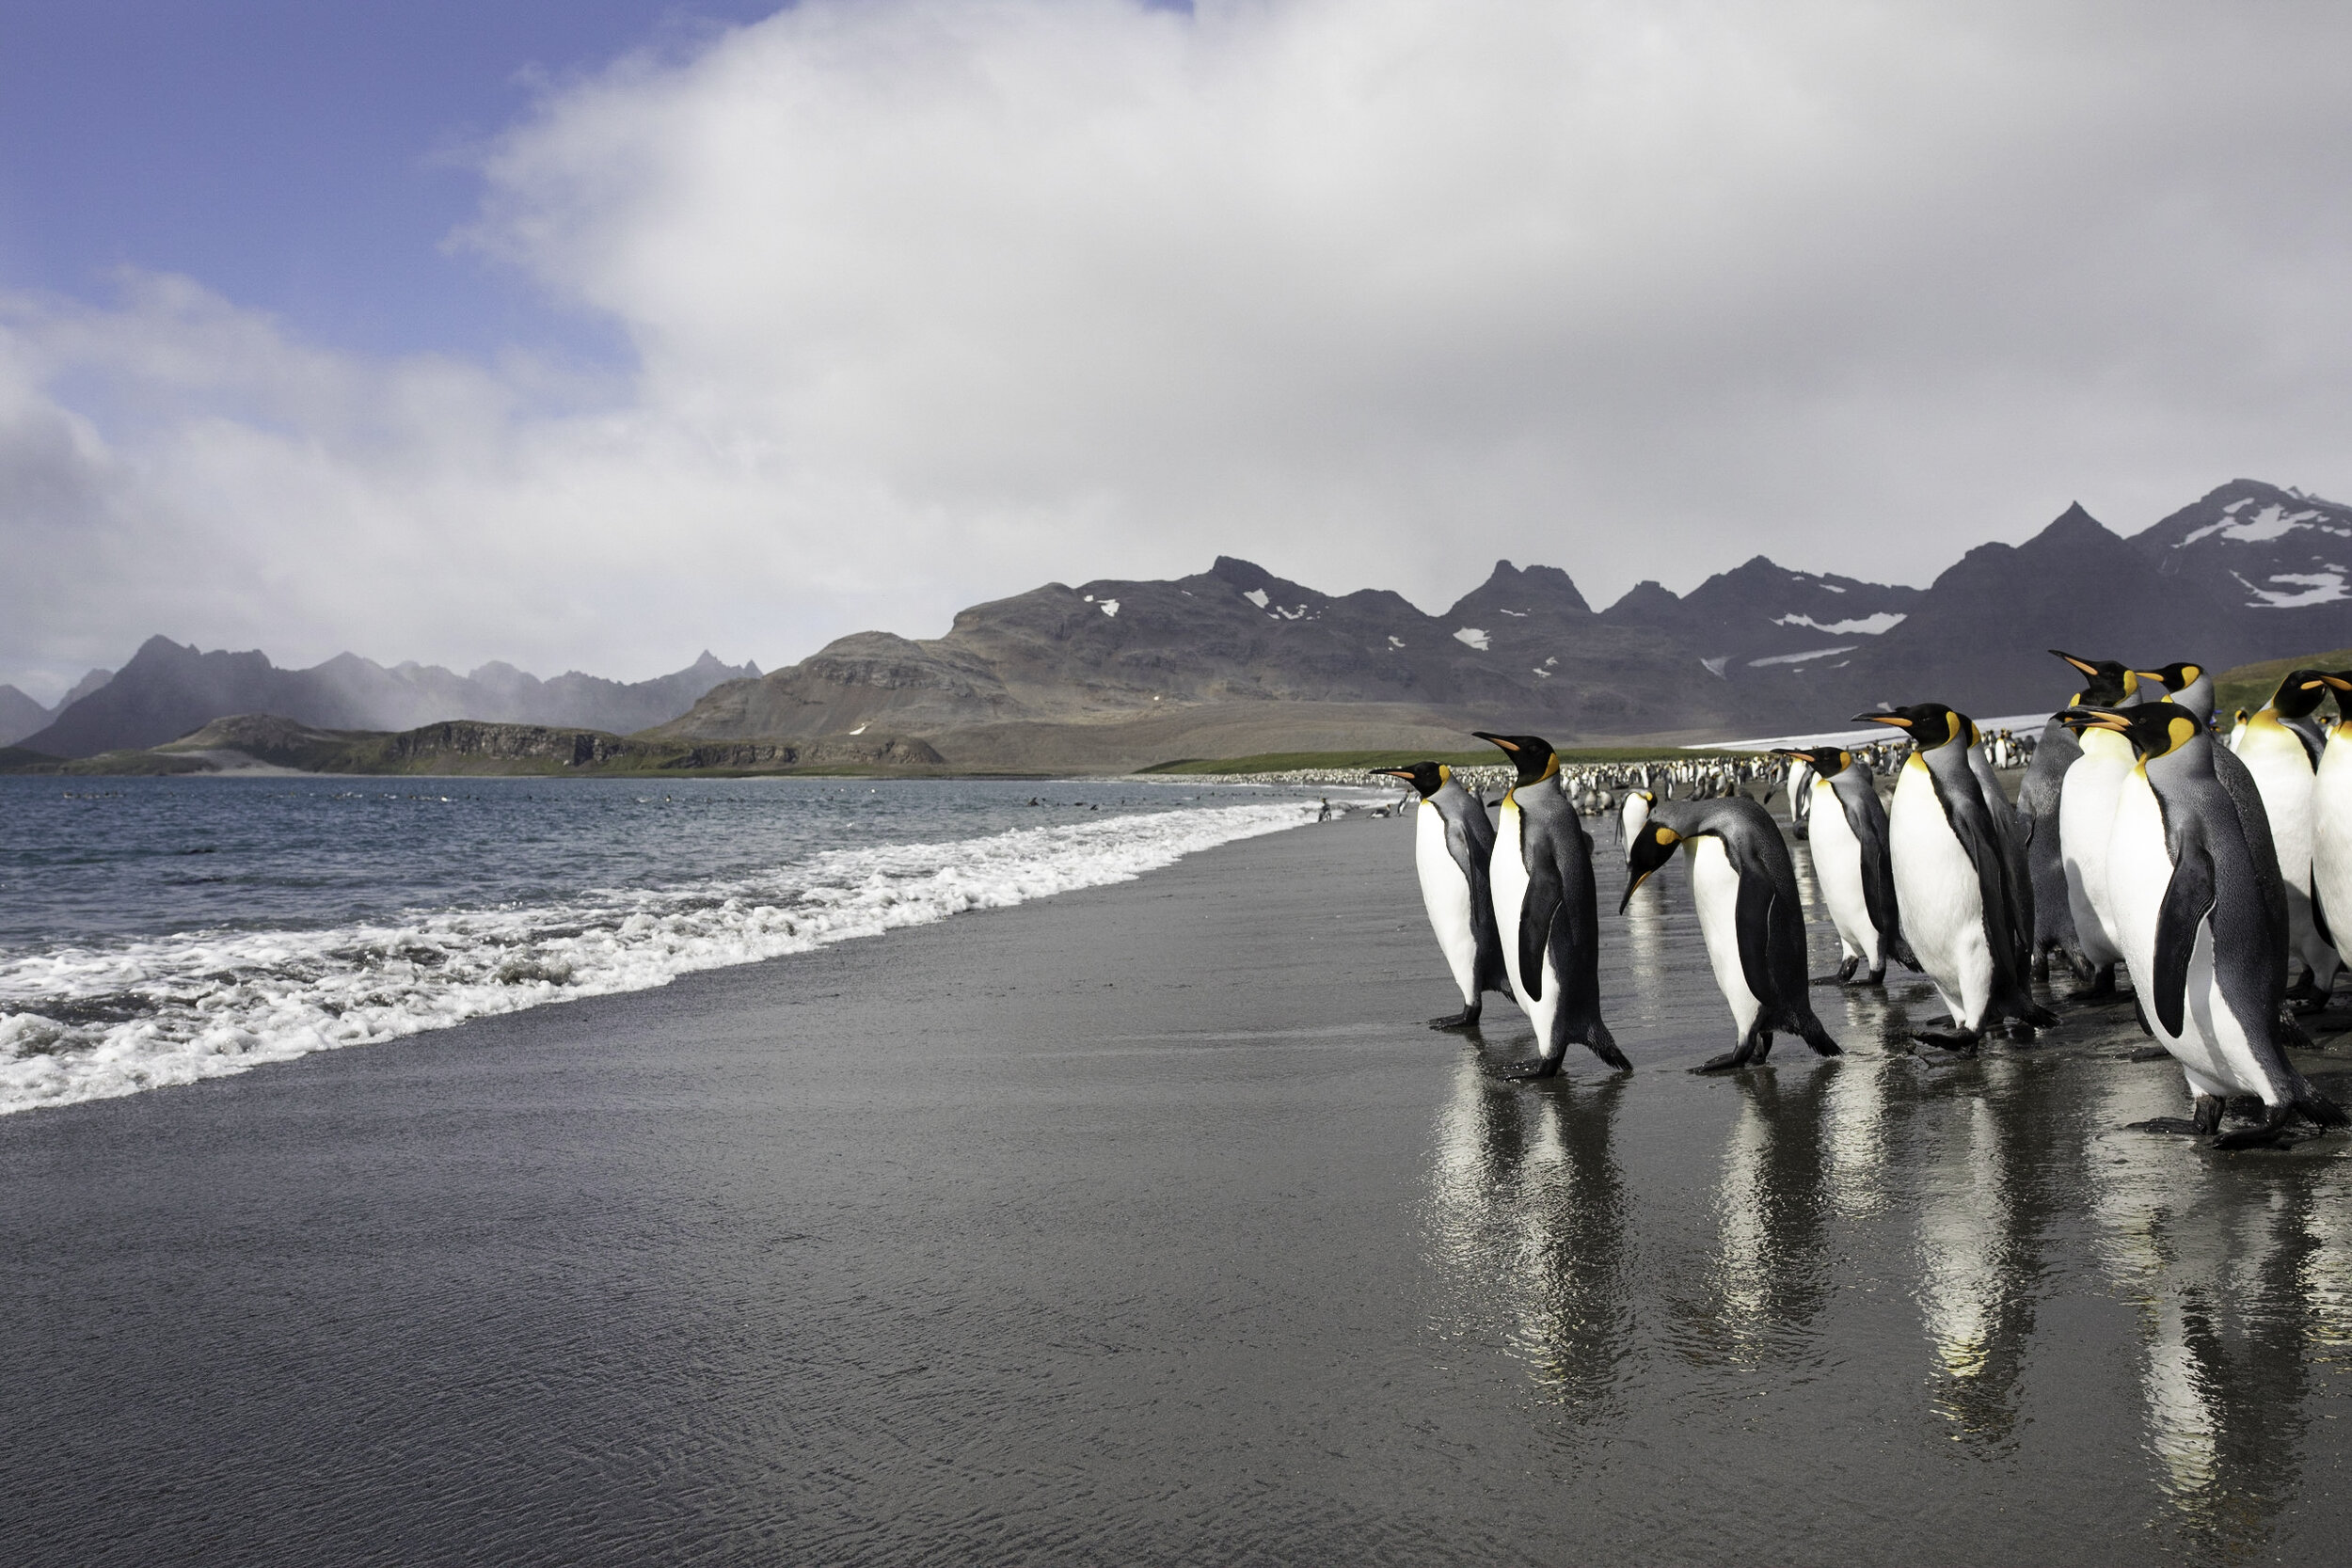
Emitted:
pixel 1851 864
pixel 1453 843
pixel 2196 891
pixel 1746 893
pixel 1546 912
pixel 1953 884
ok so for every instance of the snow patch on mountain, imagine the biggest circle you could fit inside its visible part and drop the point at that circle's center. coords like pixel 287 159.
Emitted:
pixel 1474 636
pixel 1868 626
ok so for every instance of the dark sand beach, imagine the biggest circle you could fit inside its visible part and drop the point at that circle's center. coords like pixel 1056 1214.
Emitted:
pixel 1148 1225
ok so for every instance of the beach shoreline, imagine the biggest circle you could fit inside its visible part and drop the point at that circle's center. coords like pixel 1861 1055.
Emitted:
pixel 1149 1222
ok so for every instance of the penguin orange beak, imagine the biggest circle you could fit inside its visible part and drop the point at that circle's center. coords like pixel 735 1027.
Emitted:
pixel 1895 719
pixel 1495 741
pixel 1406 773
pixel 1631 889
pixel 2084 665
pixel 2341 682
pixel 2093 719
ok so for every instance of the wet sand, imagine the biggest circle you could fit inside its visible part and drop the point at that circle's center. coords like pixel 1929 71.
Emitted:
pixel 1148 1223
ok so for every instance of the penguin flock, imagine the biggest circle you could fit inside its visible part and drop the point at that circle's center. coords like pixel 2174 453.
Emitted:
pixel 2204 870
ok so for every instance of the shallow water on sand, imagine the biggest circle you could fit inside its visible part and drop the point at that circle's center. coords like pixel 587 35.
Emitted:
pixel 1148 1225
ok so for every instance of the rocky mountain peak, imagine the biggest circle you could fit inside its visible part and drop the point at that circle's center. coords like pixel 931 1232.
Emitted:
pixel 1510 590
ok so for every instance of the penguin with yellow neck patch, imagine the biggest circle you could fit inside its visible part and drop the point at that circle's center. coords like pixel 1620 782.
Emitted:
pixel 2039 801
pixel 1546 910
pixel 1452 844
pixel 1956 883
pixel 2281 747
pixel 1852 864
pixel 1746 888
pixel 2196 887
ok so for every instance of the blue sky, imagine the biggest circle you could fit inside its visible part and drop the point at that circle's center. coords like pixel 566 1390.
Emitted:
pixel 589 335
pixel 309 158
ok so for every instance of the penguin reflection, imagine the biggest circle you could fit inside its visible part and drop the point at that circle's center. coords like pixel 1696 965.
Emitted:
pixel 1994 1174
pixel 1771 1272
pixel 1528 1224
pixel 2237 1277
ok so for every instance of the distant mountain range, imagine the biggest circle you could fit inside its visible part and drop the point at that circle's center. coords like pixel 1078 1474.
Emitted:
pixel 1235 661
pixel 21 716
pixel 168 690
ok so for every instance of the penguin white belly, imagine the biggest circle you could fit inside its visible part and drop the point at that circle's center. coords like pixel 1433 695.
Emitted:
pixel 1941 903
pixel 1715 889
pixel 2086 824
pixel 2214 1055
pixel 1837 866
pixel 2331 836
pixel 2282 771
pixel 1445 894
pixel 1506 878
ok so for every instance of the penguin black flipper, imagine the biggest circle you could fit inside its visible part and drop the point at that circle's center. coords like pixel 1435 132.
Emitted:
pixel 1974 829
pixel 2188 899
pixel 1754 908
pixel 1538 910
pixel 1877 880
pixel 1472 856
pixel 2254 821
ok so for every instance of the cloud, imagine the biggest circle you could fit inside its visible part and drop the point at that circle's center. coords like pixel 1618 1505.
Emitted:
pixel 932 301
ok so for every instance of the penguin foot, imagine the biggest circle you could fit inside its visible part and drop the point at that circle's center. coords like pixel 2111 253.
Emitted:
pixel 2146 1054
pixel 2173 1126
pixel 1466 1019
pixel 1724 1063
pixel 1523 1072
pixel 1959 1041
pixel 2101 989
pixel 2270 1134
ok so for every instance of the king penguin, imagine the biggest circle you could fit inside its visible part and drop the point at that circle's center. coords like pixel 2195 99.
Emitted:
pixel 2196 893
pixel 2038 804
pixel 1851 864
pixel 1546 911
pixel 1453 843
pixel 1746 893
pixel 2085 822
pixel 1956 890
pixel 2282 748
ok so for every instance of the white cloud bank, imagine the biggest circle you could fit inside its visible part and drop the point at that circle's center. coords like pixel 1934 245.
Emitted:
pixel 933 301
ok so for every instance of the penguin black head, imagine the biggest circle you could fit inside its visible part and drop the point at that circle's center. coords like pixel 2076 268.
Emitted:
pixel 2340 684
pixel 2155 730
pixel 1929 724
pixel 2300 695
pixel 1827 761
pixel 1427 777
pixel 1530 754
pixel 1652 847
pixel 2174 677
pixel 2109 680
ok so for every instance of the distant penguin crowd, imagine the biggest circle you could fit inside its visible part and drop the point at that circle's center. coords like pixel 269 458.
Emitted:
pixel 2205 870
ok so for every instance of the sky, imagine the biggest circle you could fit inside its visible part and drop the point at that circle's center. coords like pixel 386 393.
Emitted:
pixel 590 333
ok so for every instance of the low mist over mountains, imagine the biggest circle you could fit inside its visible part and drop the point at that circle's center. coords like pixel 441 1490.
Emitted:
pixel 1236 660
pixel 168 690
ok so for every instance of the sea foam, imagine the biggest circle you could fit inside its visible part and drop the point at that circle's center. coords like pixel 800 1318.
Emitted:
pixel 94 1022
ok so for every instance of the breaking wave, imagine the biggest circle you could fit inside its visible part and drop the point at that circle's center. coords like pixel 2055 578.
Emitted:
pixel 89 1023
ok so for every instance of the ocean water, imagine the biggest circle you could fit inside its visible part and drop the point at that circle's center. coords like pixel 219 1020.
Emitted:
pixel 158 931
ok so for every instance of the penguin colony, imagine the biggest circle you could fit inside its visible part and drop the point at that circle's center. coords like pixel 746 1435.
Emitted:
pixel 2205 871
